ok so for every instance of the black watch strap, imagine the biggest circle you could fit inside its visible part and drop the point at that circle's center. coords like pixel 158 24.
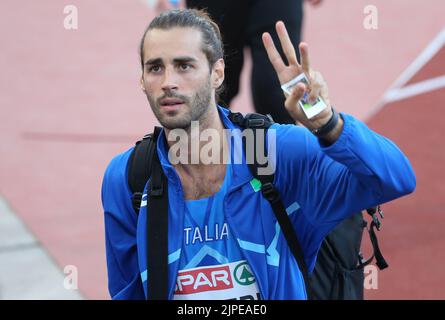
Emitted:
pixel 326 128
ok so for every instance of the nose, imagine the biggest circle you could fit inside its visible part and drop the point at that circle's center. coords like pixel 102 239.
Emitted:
pixel 170 80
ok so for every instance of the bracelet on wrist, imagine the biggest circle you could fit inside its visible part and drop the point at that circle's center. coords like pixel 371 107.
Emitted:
pixel 328 126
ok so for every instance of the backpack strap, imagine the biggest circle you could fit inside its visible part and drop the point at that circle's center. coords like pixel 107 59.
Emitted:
pixel 139 168
pixel 270 192
pixel 376 224
pixel 143 164
pixel 157 230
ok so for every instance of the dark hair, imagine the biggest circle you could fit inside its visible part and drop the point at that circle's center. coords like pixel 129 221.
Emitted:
pixel 199 19
pixel 212 44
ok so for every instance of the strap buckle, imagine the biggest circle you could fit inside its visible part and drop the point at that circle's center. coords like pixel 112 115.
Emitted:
pixel 251 120
pixel 156 191
pixel 270 192
pixel 373 213
pixel 255 123
pixel 255 120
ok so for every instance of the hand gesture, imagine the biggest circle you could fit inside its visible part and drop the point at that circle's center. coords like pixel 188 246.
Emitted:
pixel 317 86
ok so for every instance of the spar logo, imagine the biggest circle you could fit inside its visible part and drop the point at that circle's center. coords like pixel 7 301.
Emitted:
pixel 243 275
pixel 204 279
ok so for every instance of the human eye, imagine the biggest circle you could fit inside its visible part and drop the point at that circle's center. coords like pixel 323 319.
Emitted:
pixel 154 68
pixel 185 66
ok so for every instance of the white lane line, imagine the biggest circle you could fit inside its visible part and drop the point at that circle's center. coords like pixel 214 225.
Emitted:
pixel 427 54
pixel 414 89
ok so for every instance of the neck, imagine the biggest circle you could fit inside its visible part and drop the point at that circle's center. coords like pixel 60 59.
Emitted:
pixel 202 146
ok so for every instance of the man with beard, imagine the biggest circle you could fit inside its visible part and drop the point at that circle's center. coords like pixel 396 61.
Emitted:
pixel 224 241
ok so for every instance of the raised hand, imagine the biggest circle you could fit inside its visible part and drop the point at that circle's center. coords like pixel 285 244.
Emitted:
pixel 316 87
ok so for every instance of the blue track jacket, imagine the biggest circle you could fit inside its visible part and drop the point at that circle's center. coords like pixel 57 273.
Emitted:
pixel 320 186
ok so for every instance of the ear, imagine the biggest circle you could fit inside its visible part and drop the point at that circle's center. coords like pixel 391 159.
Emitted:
pixel 142 84
pixel 218 73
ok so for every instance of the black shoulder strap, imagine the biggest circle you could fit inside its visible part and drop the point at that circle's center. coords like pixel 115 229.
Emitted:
pixel 271 193
pixel 376 224
pixel 139 168
pixel 157 230
pixel 143 164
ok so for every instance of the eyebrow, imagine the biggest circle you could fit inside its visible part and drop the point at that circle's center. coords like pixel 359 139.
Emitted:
pixel 175 60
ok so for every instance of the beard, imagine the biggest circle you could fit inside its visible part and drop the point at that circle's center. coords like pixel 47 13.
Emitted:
pixel 195 107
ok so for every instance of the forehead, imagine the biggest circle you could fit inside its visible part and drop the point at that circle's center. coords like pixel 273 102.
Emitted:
pixel 170 43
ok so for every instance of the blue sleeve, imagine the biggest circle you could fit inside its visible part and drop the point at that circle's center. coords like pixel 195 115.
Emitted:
pixel 120 232
pixel 360 170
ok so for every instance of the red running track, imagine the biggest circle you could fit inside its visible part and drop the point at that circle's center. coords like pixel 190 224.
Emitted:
pixel 71 100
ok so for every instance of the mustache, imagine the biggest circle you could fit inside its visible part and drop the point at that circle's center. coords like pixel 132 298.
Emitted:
pixel 170 94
